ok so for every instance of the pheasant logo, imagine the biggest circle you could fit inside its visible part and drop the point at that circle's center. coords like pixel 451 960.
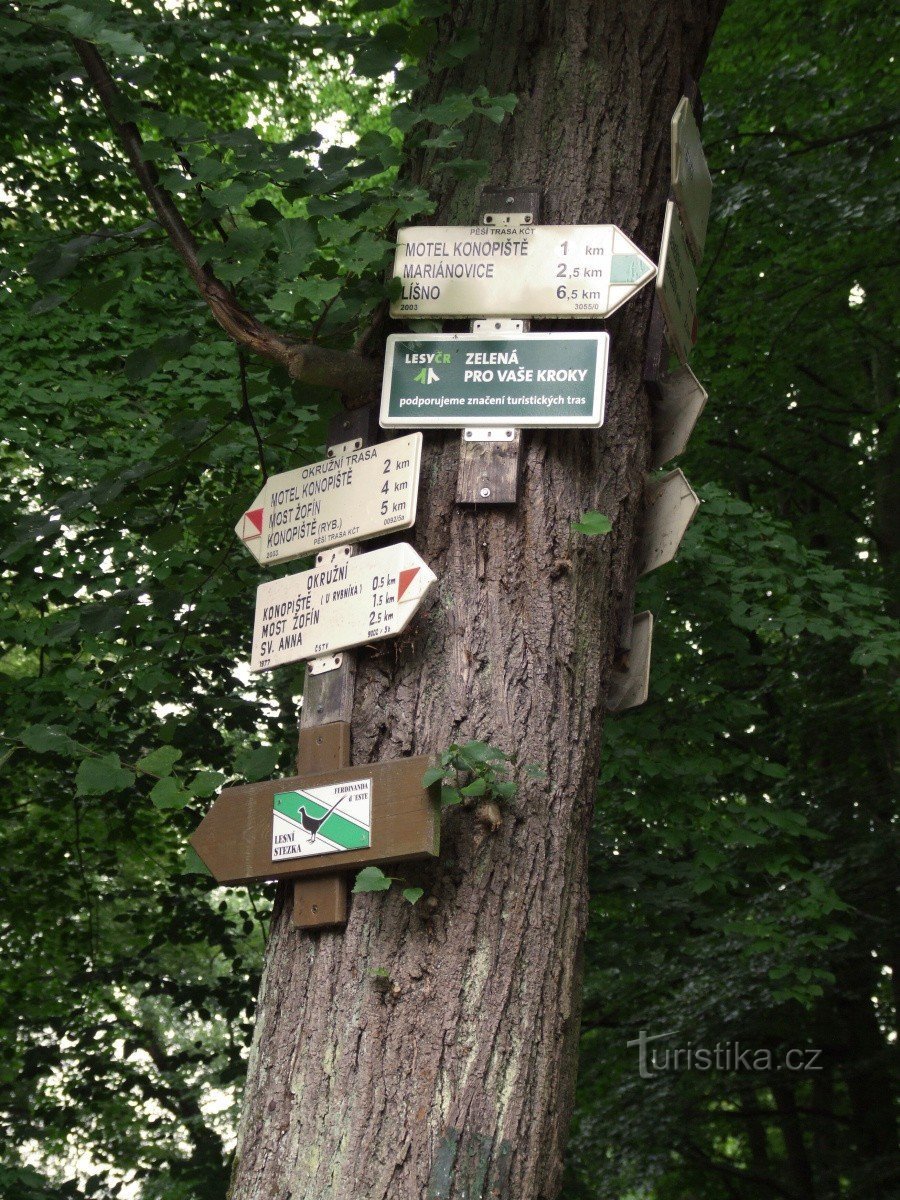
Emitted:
pixel 322 820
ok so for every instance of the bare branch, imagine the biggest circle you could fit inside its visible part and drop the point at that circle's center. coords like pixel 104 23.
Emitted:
pixel 356 377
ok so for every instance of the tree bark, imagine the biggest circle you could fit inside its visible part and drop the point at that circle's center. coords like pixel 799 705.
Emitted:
pixel 457 1080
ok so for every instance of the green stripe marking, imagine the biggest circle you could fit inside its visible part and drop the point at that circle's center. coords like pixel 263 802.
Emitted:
pixel 627 268
pixel 336 828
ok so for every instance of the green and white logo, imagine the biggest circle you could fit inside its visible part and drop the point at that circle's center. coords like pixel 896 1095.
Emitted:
pixel 322 820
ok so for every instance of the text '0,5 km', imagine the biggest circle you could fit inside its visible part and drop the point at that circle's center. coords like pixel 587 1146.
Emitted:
pixel 583 271
pixel 342 602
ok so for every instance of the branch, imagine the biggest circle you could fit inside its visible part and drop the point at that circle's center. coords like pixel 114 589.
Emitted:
pixel 356 377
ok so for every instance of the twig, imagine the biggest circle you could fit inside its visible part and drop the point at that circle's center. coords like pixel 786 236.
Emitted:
pixel 349 373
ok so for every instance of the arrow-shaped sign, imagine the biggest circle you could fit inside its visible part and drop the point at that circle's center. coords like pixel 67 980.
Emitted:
pixel 669 507
pixel 691 180
pixel 681 401
pixel 351 497
pixel 343 601
pixel 585 271
pixel 379 814
pixel 676 285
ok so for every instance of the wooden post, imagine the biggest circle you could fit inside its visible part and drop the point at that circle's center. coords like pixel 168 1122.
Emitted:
pixel 325 719
pixel 490 468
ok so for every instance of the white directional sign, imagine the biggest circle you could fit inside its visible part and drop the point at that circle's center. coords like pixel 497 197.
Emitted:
pixel 691 180
pixel 681 401
pixel 630 685
pixel 676 285
pixel 516 271
pixel 343 601
pixel 669 507
pixel 351 497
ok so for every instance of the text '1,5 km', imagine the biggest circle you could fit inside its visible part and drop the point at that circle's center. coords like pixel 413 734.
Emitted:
pixel 584 271
pixel 342 602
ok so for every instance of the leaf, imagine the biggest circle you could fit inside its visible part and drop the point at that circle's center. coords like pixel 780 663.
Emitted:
pixel 450 796
pixel 49 739
pixel 256 763
pixel 413 894
pixel 159 762
pixel 476 788
pixel 206 783
pixel 194 864
pixel 98 776
pixel 593 523
pixel 168 793
pixel 146 361
pixel 432 775
pixel 371 879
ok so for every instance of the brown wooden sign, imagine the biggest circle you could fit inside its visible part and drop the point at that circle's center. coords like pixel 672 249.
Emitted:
pixel 235 838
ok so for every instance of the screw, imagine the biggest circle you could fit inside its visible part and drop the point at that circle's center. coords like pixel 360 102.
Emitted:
pixel 468 433
pixel 315 909
pixel 509 433
pixel 509 199
pixel 484 493
pixel 488 219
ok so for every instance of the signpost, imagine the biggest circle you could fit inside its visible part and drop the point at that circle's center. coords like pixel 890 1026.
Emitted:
pixel 681 398
pixel 669 507
pixel 456 380
pixel 350 497
pixel 343 601
pixel 676 285
pixel 581 271
pixel 691 180
pixel 265 830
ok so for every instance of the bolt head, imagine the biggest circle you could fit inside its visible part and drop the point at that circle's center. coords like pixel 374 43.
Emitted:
pixel 485 492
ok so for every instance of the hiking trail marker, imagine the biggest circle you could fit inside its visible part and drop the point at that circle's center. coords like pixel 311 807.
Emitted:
pixel 317 824
pixel 670 504
pixel 466 380
pixel 516 270
pixel 360 494
pixel 343 601
pixel 681 401
pixel 691 180
pixel 676 285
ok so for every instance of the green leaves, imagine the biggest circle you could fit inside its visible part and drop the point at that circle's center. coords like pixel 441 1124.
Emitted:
pixel 371 879
pixel 159 762
pixel 147 360
pixel 49 739
pixel 97 776
pixel 471 771
pixel 593 523
pixel 257 763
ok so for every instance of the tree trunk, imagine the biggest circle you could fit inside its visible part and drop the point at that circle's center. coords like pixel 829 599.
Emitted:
pixel 456 1081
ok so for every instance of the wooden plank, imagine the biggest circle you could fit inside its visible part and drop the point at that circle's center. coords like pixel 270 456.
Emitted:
pixel 323 748
pixel 235 837
pixel 320 902
pixel 491 472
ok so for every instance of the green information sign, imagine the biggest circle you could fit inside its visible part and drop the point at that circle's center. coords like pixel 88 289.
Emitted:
pixel 454 380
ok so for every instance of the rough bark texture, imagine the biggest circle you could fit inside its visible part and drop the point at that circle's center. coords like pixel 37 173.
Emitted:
pixel 456 1079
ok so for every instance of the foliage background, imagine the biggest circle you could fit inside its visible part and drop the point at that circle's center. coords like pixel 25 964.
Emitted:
pixel 743 863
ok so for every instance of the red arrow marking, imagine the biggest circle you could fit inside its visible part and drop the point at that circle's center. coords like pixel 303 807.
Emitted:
pixel 255 517
pixel 406 578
